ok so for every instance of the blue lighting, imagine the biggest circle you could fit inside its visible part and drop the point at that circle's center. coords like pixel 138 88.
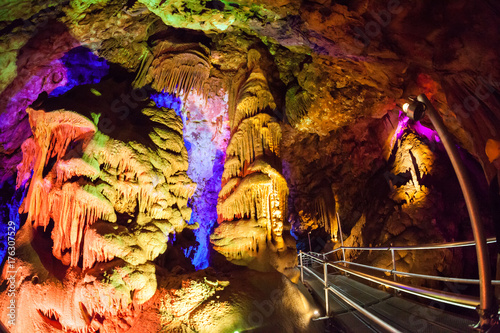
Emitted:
pixel 188 145
pixel 169 101
pixel 83 67
pixel 13 215
pixel 204 205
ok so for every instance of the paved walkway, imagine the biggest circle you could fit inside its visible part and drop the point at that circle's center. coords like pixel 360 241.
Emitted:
pixel 402 314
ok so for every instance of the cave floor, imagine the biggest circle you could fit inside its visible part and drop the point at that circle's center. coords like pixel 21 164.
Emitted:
pixel 403 314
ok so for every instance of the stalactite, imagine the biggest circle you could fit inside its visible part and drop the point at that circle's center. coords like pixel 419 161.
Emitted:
pixel 24 169
pixel 176 69
pixel 66 169
pixel 78 207
pixel 297 104
pixel 229 188
pixel 97 249
pixel 254 138
pixel 253 98
pixel 166 117
pixel 324 206
pixel 147 182
pixel 167 139
pixel 52 134
pixel 279 184
pixel 232 168
pixel 239 239
pixel 248 195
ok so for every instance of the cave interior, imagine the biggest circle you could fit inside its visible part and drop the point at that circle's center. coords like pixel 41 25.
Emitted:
pixel 290 135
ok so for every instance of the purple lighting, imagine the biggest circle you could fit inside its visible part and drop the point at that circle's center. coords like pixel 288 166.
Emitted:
pixel 205 213
pixel 430 134
pixel 406 123
pixel 206 133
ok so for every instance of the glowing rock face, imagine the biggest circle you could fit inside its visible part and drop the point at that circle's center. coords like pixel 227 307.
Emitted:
pixel 113 205
pixel 415 158
pixel 254 193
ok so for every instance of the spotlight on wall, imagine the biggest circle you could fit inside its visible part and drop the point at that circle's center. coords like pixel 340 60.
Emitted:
pixel 415 110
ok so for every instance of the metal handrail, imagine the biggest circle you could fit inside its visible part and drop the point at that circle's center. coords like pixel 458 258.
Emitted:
pixel 339 294
pixel 423 276
pixel 464 301
pixel 417 247
pixel 440 296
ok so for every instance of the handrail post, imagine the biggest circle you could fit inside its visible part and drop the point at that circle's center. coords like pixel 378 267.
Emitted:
pixel 301 267
pixel 487 308
pixel 343 260
pixel 393 264
pixel 325 271
pixel 341 238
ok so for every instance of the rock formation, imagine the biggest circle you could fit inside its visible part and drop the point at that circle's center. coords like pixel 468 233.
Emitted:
pixel 253 198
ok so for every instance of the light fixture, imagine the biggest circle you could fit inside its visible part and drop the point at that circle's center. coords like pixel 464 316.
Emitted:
pixel 316 313
pixel 415 110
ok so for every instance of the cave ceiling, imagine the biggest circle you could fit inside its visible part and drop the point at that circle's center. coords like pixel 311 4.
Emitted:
pixel 346 60
pixel 335 68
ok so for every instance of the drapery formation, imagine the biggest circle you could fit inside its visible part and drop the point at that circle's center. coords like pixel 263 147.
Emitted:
pixel 175 68
pixel 107 198
pixel 252 201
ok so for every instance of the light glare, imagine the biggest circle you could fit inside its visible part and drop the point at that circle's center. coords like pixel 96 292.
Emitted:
pixel 405 107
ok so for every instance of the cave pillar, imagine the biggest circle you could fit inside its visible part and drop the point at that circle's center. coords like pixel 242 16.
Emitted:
pixel 252 201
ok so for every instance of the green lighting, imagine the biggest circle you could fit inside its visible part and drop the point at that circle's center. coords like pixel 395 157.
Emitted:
pixel 95 92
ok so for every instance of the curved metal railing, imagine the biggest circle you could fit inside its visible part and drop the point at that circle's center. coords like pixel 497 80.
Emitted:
pixel 465 301
pixel 394 272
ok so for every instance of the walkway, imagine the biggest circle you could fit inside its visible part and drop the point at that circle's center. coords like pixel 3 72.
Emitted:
pixel 402 314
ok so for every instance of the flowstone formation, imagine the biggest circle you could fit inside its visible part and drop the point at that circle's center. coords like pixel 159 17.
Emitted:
pixel 252 202
pixel 110 206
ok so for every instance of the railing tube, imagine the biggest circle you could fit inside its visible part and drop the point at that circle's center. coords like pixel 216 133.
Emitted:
pixel 340 230
pixel 487 308
pixel 301 267
pixel 325 271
